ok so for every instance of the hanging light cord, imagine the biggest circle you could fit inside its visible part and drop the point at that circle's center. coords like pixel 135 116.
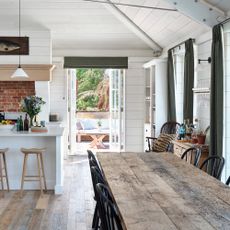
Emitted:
pixel 19 30
pixel 131 5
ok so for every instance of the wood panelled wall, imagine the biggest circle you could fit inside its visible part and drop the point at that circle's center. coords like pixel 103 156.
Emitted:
pixel 12 92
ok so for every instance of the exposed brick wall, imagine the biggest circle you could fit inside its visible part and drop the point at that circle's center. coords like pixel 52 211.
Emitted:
pixel 12 92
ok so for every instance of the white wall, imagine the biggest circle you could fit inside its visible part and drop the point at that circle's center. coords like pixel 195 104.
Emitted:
pixel 59 96
pixel 202 80
pixel 42 89
pixel 135 106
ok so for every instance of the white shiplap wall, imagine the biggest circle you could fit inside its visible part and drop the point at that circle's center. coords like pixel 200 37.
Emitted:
pixel 59 91
pixel 59 96
pixel 202 80
pixel 135 107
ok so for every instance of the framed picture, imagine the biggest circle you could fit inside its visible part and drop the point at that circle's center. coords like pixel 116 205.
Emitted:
pixel 14 45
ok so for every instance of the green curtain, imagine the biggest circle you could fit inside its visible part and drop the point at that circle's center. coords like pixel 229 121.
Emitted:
pixel 96 62
pixel 188 80
pixel 171 88
pixel 217 92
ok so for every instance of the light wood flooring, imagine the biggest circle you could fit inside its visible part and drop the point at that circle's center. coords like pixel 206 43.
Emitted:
pixel 72 210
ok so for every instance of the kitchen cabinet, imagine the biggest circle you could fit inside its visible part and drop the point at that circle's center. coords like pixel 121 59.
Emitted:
pixel 180 147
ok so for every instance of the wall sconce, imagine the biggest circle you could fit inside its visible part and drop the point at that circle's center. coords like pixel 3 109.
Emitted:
pixel 209 60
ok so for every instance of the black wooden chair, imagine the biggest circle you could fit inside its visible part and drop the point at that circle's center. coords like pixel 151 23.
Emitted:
pixel 228 181
pixel 91 155
pixel 213 166
pixel 110 218
pixel 97 177
pixel 94 161
pixel 170 127
pixel 192 155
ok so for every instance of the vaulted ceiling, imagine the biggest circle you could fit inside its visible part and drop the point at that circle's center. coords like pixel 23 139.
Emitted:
pixel 79 24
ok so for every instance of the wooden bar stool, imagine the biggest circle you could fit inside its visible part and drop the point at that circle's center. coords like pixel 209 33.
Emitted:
pixel 3 169
pixel 41 172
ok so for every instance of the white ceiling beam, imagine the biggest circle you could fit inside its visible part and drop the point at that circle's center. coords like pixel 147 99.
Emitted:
pixel 200 10
pixel 134 28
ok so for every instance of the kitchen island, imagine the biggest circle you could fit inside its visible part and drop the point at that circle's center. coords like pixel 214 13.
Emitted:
pixel 53 157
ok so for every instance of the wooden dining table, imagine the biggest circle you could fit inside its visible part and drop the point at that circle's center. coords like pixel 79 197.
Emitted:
pixel 161 191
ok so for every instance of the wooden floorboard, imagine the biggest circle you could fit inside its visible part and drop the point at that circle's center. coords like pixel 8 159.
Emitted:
pixel 72 210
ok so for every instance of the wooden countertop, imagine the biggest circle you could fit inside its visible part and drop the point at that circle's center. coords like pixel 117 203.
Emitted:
pixel 161 191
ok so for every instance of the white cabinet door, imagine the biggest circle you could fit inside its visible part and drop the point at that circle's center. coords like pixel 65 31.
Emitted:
pixel 117 127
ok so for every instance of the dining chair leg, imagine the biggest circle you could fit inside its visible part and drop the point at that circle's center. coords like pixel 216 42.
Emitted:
pixel 6 173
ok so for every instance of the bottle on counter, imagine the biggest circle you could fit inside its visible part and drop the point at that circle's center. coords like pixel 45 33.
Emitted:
pixel 20 123
pixel 26 123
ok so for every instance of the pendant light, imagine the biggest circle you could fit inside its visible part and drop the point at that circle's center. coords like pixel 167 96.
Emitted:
pixel 19 73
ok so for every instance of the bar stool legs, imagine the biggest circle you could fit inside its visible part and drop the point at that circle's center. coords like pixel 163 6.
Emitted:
pixel 43 171
pixel 3 170
pixel 40 165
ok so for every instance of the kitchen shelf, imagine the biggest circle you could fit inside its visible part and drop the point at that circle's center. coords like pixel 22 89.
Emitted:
pixel 201 90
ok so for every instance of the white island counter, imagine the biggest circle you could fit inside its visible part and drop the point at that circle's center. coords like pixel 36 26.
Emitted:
pixel 53 157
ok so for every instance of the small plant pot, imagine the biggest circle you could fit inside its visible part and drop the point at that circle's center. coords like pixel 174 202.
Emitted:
pixel 201 139
pixel 194 140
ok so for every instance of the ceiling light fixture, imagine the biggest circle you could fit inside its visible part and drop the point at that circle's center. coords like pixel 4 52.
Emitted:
pixel 19 73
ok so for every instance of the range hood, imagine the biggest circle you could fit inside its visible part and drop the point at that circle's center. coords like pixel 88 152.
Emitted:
pixel 36 72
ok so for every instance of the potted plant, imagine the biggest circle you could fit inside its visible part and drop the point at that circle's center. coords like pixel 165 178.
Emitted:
pixel 32 106
pixel 201 137
pixel 99 124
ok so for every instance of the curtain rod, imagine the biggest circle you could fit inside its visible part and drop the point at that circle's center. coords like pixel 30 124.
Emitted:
pixel 181 43
pixel 225 21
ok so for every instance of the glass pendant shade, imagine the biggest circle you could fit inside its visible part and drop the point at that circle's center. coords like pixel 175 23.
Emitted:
pixel 19 73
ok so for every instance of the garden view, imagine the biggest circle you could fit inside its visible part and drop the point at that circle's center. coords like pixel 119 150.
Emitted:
pixel 92 90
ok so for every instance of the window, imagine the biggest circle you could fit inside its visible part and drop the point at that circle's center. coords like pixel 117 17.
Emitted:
pixel 179 83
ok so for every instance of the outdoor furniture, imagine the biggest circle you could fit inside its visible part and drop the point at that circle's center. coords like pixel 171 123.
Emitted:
pixel 85 127
pixel 160 191
pixel 97 138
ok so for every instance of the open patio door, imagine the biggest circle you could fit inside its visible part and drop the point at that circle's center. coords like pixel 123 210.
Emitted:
pixel 117 116
pixel 72 110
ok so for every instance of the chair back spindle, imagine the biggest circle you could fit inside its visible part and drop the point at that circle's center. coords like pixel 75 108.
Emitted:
pixel 110 218
pixel 192 155
pixel 213 166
